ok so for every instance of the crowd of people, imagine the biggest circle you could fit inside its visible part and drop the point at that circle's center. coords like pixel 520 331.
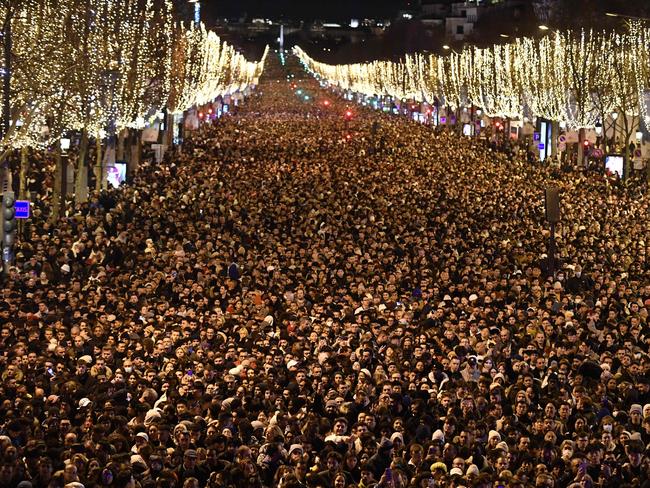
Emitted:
pixel 296 300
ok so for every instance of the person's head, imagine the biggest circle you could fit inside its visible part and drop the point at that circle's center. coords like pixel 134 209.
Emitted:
pixel 501 464
pixel 634 453
pixel 566 450
pixel 189 458
pixel 582 440
pixel 493 439
pixel 333 461
pixel 191 483
pixel 439 470
pixel 70 473
pixel 636 413
pixel 595 453
pixel 544 480
pixel 295 453
pixel 367 476
pixel 45 468
pixel 155 463
pixel 459 463
pixel 340 480
pixel 340 426
pixel 417 453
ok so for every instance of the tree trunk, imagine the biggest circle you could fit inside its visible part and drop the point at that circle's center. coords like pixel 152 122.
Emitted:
pixel 182 131
pixel 6 86
pixel 582 135
pixel 626 143
pixel 56 186
pixel 169 127
pixel 122 139
pixel 555 133
pixel 24 170
pixel 136 152
pixel 628 157
pixel 81 176
pixel 99 172
pixel 629 129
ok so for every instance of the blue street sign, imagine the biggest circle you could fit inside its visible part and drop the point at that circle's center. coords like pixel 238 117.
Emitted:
pixel 541 146
pixel 536 136
pixel 22 209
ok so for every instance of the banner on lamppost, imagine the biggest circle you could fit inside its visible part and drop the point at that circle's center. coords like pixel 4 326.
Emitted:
pixel 191 122
pixel 572 137
pixel 150 134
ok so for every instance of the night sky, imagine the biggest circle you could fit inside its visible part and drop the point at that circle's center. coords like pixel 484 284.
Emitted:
pixel 302 9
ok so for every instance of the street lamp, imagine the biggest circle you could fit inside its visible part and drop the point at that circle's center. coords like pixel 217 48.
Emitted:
pixel 639 135
pixel 599 129
pixel 446 47
pixel 65 144
pixel 614 116
pixel 197 11
pixel 623 16
pixel 543 27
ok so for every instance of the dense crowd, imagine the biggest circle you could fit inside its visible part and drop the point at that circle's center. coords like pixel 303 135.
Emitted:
pixel 295 300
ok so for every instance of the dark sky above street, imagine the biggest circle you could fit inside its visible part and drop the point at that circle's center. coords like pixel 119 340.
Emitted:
pixel 302 9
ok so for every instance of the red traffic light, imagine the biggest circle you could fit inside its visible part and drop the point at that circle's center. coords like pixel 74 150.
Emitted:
pixel 586 143
pixel 200 115
pixel 326 103
pixel 348 114
pixel 210 111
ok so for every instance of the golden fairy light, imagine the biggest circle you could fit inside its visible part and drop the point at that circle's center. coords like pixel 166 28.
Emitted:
pixel 575 77
pixel 87 64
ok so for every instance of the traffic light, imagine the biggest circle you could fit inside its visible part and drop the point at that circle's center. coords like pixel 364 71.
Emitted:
pixel 348 117
pixel 8 220
pixel 585 144
pixel 326 103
